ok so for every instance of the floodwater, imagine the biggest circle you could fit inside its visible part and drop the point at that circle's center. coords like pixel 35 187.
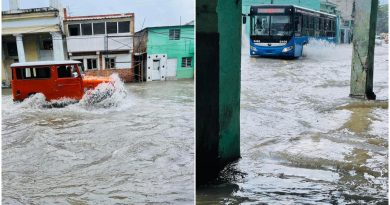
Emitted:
pixel 138 149
pixel 303 140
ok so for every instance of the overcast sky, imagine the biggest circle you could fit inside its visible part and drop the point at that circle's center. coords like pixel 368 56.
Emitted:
pixel 155 12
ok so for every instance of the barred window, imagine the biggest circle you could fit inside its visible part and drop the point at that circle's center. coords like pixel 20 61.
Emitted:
pixel 112 27
pixel 110 63
pixel 86 29
pixel 124 27
pixel 186 62
pixel 174 34
pixel 74 29
pixel 91 63
pixel 99 28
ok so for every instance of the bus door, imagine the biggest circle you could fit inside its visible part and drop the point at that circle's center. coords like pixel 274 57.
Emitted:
pixel 69 82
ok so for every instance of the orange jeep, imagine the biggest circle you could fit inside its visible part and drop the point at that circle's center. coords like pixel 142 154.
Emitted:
pixel 54 79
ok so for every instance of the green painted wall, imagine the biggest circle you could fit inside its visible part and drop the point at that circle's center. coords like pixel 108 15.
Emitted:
pixel 230 78
pixel 159 43
pixel 218 51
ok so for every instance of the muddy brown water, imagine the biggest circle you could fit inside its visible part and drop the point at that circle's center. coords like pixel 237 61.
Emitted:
pixel 140 151
pixel 303 140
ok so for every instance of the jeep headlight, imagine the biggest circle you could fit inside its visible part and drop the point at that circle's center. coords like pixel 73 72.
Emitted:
pixel 287 49
pixel 253 48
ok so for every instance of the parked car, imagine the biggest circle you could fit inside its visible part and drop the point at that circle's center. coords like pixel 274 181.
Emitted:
pixel 54 79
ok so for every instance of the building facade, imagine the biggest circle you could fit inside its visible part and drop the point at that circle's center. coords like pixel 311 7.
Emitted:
pixel 345 9
pixel 31 35
pixel 165 53
pixel 103 43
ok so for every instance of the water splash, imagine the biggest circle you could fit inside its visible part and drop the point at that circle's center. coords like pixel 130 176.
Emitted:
pixel 36 101
pixel 105 95
pixel 322 49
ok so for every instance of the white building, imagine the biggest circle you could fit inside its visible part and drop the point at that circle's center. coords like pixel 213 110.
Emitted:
pixel 100 42
pixel 31 35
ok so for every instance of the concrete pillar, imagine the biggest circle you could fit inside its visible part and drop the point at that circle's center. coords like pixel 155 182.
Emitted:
pixel 20 47
pixel 363 49
pixel 58 46
pixel 218 61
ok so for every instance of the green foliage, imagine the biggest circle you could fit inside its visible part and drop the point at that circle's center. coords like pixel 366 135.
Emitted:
pixel 382 23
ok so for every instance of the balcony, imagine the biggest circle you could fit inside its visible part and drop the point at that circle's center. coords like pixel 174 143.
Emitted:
pixel 94 43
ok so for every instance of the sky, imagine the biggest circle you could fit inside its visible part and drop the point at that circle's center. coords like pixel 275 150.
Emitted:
pixel 154 12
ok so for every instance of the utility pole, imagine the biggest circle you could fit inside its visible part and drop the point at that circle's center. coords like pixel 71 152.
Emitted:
pixel 362 71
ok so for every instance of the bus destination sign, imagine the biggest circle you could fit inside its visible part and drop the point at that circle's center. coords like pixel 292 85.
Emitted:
pixel 270 10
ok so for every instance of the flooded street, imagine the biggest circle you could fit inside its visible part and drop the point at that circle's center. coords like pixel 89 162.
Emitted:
pixel 303 140
pixel 139 151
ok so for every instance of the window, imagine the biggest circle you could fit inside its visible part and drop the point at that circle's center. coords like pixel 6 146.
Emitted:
pixel 81 64
pixel 32 73
pixel 304 25
pixel 124 27
pixel 99 28
pixel 12 49
pixel 298 23
pixel 74 29
pixel 110 63
pixel 327 25
pixel 186 62
pixel 66 71
pixel 311 26
pixel 174 34
pixel 260 25
pixel 47 44
pixel 91 63
pixel 86 29
pixel 316 23
pixel 112 27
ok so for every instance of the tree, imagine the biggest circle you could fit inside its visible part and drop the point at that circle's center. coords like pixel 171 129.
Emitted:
pixel 382 23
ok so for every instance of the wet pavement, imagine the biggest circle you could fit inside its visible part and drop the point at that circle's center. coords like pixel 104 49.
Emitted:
pixel 303 140
pixel 140 150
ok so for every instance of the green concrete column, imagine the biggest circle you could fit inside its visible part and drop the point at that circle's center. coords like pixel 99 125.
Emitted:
pixel 218 62
pixel 363 49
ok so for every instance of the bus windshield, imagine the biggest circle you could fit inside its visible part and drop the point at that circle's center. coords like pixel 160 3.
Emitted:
pixel 265 25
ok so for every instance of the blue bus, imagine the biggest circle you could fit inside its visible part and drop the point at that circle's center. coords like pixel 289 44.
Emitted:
pixel 283 30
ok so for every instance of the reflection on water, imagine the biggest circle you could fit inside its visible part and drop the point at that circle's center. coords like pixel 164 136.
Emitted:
pixel 138 151
pixel 303 140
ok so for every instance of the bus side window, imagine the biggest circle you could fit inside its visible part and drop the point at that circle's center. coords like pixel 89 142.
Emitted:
pixel 311 25
pixel 304 30
pixel 298 23
pixel 316 30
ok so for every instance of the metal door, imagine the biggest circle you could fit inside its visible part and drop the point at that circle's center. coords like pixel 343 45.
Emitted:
pixel 171 71
pixel 156 75
pixel 69 82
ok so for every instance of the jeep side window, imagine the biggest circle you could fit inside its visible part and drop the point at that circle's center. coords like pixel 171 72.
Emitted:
pixel 32 73
pixel 64 71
